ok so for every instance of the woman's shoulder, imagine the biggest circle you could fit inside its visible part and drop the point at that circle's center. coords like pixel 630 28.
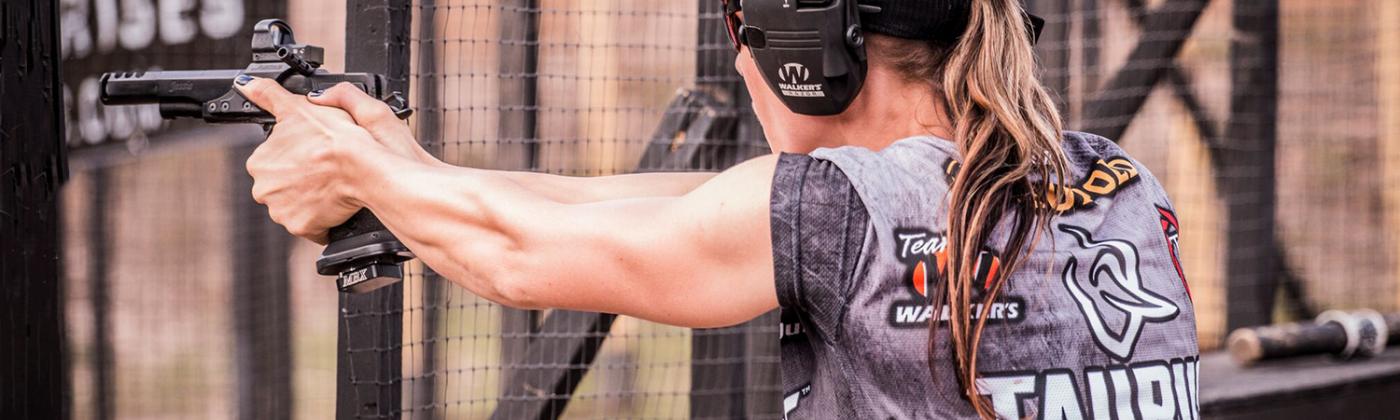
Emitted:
pixel 1079 145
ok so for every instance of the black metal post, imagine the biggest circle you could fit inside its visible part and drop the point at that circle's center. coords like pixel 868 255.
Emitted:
pixel 262 312
pixel 518 144
pixel 519 55
pixel 1054 47
pixel 1090 39
pixel 553 366
pixel 99 294
pixel 429 132
pixel 368 368
pixel 1249 184
pixel 1168 26
pixel 33 166
pixel 726 380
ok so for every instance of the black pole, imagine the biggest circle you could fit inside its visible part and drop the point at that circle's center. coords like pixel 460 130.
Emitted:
pixel 262 312
pixel 428 129
pixel 519 55
pixel 370 340
pixel 1248 183
pixel 518 146
pixel 1053 49
pixel 727 379
pixel 33 166
pixel 1090 41
pixel 1166 29
pixel 99 293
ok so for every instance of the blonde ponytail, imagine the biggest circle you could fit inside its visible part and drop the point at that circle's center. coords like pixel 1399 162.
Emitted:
pixel 1008 132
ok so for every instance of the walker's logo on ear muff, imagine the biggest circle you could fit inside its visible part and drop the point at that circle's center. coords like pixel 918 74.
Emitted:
pixel 792 78
pixel 793 73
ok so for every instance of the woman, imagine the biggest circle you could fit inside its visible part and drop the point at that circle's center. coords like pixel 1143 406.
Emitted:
pixel 938 247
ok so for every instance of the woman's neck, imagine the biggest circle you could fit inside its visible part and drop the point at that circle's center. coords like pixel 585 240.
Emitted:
pixel 888 109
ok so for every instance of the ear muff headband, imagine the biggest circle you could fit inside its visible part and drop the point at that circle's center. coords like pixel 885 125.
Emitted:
pixel 811 53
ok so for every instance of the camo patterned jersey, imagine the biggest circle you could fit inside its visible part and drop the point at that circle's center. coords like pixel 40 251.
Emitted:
pixel 1097 323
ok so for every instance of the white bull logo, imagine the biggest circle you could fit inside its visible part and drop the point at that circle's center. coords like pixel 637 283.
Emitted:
pixel 1114 274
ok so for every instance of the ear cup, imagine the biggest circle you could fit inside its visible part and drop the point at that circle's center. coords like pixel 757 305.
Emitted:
pixel 810 54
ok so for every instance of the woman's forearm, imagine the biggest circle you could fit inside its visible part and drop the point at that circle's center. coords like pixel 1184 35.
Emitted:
pixel 628 256
pixel 573 190
pixel 450 217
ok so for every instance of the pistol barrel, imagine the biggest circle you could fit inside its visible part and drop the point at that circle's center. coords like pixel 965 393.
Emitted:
pixel 179 93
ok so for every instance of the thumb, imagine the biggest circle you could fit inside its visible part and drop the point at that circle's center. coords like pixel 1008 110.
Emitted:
pixel 267 94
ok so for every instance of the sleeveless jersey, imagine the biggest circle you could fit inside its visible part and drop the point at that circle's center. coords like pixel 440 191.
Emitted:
pixel 1097 322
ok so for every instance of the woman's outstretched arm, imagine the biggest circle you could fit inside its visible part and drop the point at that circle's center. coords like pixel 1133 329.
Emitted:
pixel 702 259
pixel 395 134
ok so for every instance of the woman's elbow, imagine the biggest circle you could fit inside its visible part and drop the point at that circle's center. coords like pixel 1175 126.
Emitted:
pixel 514 290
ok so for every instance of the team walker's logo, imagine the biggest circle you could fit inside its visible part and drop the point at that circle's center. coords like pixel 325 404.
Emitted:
pixel 1114 279
pixel 792 81
pixel 925 257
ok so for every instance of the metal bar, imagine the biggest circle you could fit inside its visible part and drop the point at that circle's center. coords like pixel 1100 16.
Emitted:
pixel 1114 107
pixel 368 367
pixel 727 380
pixel 1248 184
pixel 1090 39
pixel 1180 81
pixel 519 55
pixel 429 133
pixel 32 168
pixel 716 389
pixel 518 142
pixel 553 366
pixel 99 294
pixel 1054 47
pixel 262 313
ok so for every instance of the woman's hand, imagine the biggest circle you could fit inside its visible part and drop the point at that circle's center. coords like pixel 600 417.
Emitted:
pixel 376 117
pixel 302 172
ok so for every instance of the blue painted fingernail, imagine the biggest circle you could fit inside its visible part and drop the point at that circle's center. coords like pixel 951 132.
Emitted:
pixel 243 79
pixel 316 93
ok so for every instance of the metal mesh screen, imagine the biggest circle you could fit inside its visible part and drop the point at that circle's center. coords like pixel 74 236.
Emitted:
pixel 1288 196
pixel 1284 196
pixel 581 89
pixel 177 299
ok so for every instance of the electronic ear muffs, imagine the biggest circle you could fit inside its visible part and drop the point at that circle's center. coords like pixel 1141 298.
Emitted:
pixel 811 53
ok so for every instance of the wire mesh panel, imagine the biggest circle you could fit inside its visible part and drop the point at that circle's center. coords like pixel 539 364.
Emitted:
pixel 581 88
pixel 1266 121
pixel 177 300
pixel 1273 126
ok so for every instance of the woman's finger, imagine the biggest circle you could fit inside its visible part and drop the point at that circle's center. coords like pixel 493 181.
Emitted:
pixel 367 111
pixel 267 94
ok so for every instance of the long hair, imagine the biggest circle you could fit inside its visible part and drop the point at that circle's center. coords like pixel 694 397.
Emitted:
pixel 1007 130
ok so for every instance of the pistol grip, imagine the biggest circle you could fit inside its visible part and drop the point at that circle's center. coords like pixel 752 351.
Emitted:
pixel 363 254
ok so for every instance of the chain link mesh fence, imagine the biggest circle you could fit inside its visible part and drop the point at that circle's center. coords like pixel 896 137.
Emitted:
pixel 1289 198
